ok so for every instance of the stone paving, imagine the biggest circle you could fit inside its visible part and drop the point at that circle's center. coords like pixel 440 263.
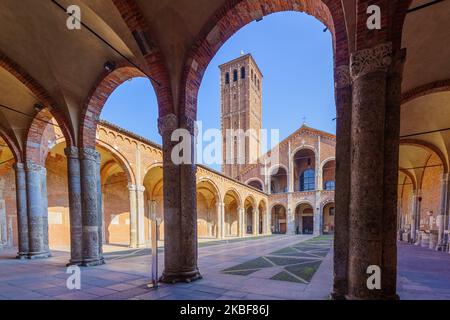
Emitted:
pixel 423 274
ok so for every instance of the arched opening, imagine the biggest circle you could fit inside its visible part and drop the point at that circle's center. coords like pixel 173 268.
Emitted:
pixel 257 184
pixel 278 180
pixel 328 175
pixel 328 214
pixel 250 216
pixel 154 199
pixel 304 164
pixel 232 210
pixel 304 219
pixel 207 217
pixel 279 219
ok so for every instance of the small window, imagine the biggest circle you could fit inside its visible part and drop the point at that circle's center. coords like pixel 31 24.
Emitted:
pixel 235 75
pixel 332 211
pixel 330 185
pixel 243 73
pixel 227 78
pixel 252 74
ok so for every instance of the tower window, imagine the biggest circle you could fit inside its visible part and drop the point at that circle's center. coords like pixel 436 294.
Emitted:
pixel 307 180
pixel 243 73
pixel 227 78
pixel 235 75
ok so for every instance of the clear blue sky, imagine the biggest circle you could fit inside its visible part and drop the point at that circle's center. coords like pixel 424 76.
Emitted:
pixel 296 59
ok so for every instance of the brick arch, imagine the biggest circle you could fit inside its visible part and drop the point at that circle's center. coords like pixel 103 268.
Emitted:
pixel 232 191
pixel 156 65
pixel 12 143
pixel 400 12
pixel 278 204
pixel 51 110
pixel 106 84
pixel 430 147
pixel 429 88
pixel 234 15
pixel 121 160
pixel 212 184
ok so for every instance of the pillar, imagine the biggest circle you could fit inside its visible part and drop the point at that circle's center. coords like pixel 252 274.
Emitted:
pixel 241 213
pixel 37 211
pixel 180 212
pixel 442 217
pixel 415 215
pixel 318 215
pixel 255 223
pixel 21 203
pixel 133 216
pixel 74 185
pixel 369 73
pixel 220 209
pixel 140 197
pixel 343 92
pixel 390 181
pixel 91 207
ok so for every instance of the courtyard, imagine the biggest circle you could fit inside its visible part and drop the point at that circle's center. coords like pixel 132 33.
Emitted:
pixel 223 263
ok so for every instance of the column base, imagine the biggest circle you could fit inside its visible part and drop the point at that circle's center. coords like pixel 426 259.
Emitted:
pixel 74 263
pixel 172 278
pixel 22 256
pixel 92 263
pixel 38 255
pixel 337 296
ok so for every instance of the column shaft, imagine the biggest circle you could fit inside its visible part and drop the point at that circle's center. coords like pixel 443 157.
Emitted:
pixel 342 193
pixel 133 216
pixel 74 184
pixel 180 212
pixel 37 211
pixel 22 218
pixel 140 213
pixel 91 200
pixel 369 72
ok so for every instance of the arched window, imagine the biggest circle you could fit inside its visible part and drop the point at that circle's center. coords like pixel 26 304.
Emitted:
pixel 235 75
pixel 227 78
pixel 307 180
pixel 329 185
pixel 243 73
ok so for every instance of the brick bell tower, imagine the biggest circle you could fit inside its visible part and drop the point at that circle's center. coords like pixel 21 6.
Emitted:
pixel 241 100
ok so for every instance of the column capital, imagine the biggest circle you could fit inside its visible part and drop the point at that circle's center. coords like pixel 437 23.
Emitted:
pixel 72 152
pixel 31 166
pixel 374 59
pixel 140 188
pixel 89 154
pixel 342 77
pixel 19 166
pixel 132 187
pixel 167 123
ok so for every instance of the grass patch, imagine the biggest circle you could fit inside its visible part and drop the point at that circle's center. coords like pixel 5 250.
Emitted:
pixel 305 271
pixel 284 251
pixel 284 276
pixel 241 272
pixel 284 261
pixel 255 264
pixel 217 242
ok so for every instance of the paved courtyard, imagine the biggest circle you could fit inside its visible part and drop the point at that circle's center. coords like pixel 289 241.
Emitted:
pixel 274 267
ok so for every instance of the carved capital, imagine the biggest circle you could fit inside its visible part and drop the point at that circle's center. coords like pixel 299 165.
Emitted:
pixel 72 152
pixel 33 167
pixel 167 124
pixel 19 166
pixel 89 154
pixel 375 59
pixel 342 77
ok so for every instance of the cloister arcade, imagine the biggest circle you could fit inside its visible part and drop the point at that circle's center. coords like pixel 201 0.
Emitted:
pixel 391 84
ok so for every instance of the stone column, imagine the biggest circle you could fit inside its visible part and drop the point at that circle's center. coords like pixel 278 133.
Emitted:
pixel 21 203
pixel 241 213
pixel 255 221
pixel 133 216
pixel 390 182
pixel 74 184
pixel 442 217
pixel 37 211
pixel 140 197
pixel 415 215
pixel 318 216
pixel 180 212
pixel 91 207
pixel 220 209
pixel 343 93
pixel 369 73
